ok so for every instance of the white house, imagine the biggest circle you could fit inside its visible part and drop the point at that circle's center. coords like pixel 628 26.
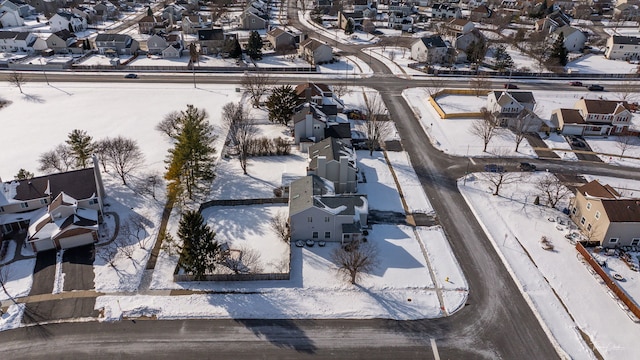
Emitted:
pixel 574 39
pixel 315 51
pixel 430 49
pixel 308 125
pixel 10 15
pixel 334 160
pixel 64 20
pixel 11 41
pixel 445 11
pixel 622 48
pixel 510 102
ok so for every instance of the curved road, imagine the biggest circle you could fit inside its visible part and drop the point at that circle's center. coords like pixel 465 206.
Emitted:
pixel 496 322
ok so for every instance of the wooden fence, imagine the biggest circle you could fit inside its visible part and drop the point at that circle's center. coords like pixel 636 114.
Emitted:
pixel 243 202
pixel 611 283
pixel 233 277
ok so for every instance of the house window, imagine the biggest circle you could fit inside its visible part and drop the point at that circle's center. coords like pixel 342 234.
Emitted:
pixel 574 210
pixel 597 215
pixel 613 241
pixel 327 219
pixel 635 242
pixel 24 205
pixel 582 220
pixel 310 219
pixel 43 201
pixel 588 206
pixel 315 234
pixel 588 227
pixel 93 201
pixel 327 234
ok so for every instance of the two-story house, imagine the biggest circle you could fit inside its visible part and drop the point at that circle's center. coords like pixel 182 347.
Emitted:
pixel 574 39
pixel 26 42
pixel 445 11
pixel 153 24
pixel 66 20
pixel 309 123
pixel 335 161
pixel 322 96
pixel 64 42
pixel 212 40
pixel 430 49
pixel 192 23
pixel 605 217
pixel 281 40
pixel 593 118
pixel 316 213
pixel 315 52
pixel 11 14
pixel 622 48
pixel 116 44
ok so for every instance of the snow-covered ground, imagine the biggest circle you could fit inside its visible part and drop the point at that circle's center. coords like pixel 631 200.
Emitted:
pixel 613 145
pixel 598 64
pixel 315 290
pixel 551 280
pixel 397 59
pixel 556 141
pixel 380 186
pixel 451 103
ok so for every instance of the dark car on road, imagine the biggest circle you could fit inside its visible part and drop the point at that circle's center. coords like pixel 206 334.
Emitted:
pixel 595 87
pixel 493 168
pixel 524 166
pixel 131 76
pixel 510 86
pixel 575 83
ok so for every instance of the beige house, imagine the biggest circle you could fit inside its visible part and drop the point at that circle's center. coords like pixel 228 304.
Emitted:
pixel 593 117
pixel 430 50
pixel 315 52
pixel 606 217
pixel 316 213
pixel 622 48
pixel 335 161
pixel 281 40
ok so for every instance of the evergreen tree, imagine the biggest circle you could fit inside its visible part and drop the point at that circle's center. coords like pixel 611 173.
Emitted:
pixel 199 247
pixel 349 28
pixel 476 51
pixel 559 53
pixel 503 59
pixel 191 160
pixel 254 46
pixel 232 46
pixel 281 104
pixel 23 175
pixel 149 11
pixel 82 147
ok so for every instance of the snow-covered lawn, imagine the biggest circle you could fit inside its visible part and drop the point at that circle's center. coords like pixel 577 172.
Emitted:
pixel 380 187
pixel 551 280
pixel 399 288
pixel 396 58
pixel 598 64
pixel 453 136
pixel 18 278
pixel 414 195
pixel 231 226
pixel 612 145
pixel 452 103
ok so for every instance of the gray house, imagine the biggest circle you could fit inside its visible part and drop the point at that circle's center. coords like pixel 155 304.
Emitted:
pixel 335 161
pixel 116 44
pixel 64 42
pixel 281 40
pixel 308 124
pixel 316 213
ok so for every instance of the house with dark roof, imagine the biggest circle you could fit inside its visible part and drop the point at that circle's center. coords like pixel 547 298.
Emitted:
pixel 343 17
pixel 593 117
pixel 252 19
pixel 445 11
pixel 153 24
pixel 11 14
pixel 67 20
pixel 64 42
pixel 322 96
pixel 316 213
pixel 574 38
pixel 281 40
pixel 116 44
pixel 552 21
pixel 334 160
pixel 11 41
pixel 430 50
pixel 192 23
pixel 211 40
pixel 510 103
pixel 622 48
pixel 309 123
pixel 25 202
pixel 606 217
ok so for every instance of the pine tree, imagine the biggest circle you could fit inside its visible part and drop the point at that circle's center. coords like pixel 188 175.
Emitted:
pixel 254 46
pixel 559 53
pixel 82 147
pixel 149 11
pixel 476 51
pixel 503 59
pixel 232 46
pixel 191 160
pixel 199 247
pixel 23 175
pixel 349 27
pixel 281 104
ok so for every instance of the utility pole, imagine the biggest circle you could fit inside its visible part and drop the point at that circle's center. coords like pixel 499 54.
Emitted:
pixel 44 72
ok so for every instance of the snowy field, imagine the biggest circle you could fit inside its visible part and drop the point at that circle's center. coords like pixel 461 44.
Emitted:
pixel 380 187
pixel 414 195
pixel 598 64
pixel 452 103
pixel 612 145
pixel 551 280
pixel 397 59
pixel 399 288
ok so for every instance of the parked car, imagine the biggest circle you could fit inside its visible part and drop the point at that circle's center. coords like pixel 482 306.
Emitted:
pixel 595 87
pixel 493 168
pixel 527 167
pixel 578 142
pixel 510 86
pixel 131 76
pixel 575 83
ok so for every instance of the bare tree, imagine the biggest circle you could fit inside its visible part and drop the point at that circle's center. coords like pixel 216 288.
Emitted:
pixel 170 125
pixel 109 254
pixel 521 124
pixel 628 91
pixel 484 127
pixel 341 89
pixel 355 260
pixel 123 156
pixel 480 84
pixel 135 231
pixel 377 125
pixel 280 225
pixel 434 85
pixel 500 178
pixel 17 79
pixel 552 190
pixel 101 151
pixel 256 84
pixel 243 261
pixel 148 183
pixel 624 142
pixel 242 130
pixel 5 275
pixel 58 160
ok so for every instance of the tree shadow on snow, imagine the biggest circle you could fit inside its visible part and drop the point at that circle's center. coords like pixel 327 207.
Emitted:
pixel 34 98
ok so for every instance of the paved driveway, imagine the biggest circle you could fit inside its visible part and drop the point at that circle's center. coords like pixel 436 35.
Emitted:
pixel 77 267
pixel 44 273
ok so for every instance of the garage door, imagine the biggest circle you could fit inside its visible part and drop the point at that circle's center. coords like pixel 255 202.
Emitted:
pixel 76 240
pixel 43 244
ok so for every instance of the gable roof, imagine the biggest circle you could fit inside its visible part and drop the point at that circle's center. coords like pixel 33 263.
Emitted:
pixel 211 34
pixel 566 31
pixel 79 184
pixel 312 44
pixel 332 149
pixel 434 41
pixel 301 111
pixel 459 22
pixel 622 210
pixel 338 130
pixel 626 40
pixel 571 116
pixel 64 34
pixel 276 32
pixel 523 97
pixel 597 106
pixel 302 191
pixel 317 89
pixel 113 37
pixel 595 189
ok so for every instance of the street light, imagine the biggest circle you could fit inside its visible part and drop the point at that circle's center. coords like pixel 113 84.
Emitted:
pixel 44 72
